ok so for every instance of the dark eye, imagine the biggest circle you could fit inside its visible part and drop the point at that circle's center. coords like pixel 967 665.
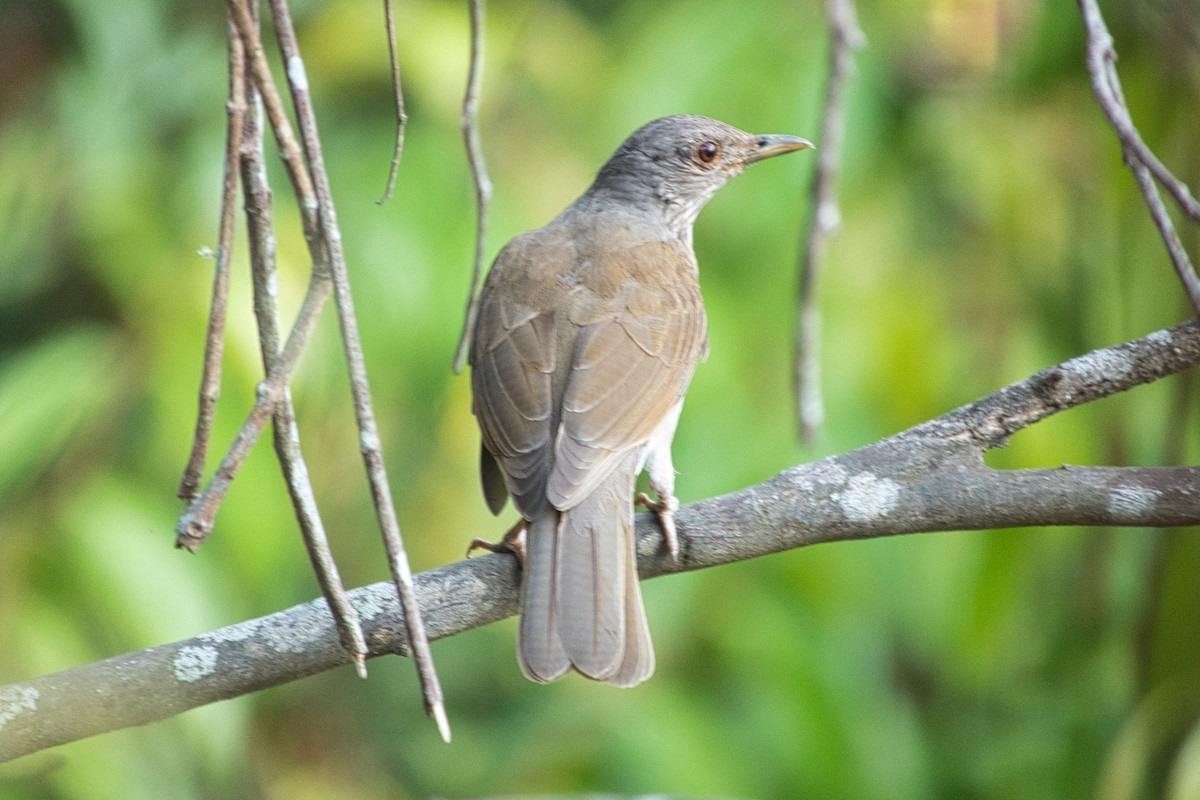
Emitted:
pixel 706 152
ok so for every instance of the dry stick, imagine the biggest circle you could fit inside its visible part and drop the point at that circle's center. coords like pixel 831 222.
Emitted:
pixel 1101 57
pixel 1141 173
pixel 401 117
pixel 285 138
pixel 214 342
pixel 844 38
pixel 195 524
pixel 1106 85
pixel 369 440
pixel 469 123
pixel 929 478
pixel 1166 228
pixel 257 194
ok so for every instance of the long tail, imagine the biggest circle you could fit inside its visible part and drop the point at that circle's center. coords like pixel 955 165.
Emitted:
pixel 581 604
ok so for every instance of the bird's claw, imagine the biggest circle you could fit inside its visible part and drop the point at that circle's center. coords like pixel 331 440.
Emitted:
pixel 664 508
pixel 513 542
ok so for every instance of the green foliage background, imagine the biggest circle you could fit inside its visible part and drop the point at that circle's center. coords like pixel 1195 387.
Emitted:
pixel 990 229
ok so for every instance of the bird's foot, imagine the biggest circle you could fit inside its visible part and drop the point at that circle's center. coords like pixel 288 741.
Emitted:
pixel 513 542
pixel 664 508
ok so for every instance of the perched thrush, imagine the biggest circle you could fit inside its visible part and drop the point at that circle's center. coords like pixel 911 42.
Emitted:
pixel 588 333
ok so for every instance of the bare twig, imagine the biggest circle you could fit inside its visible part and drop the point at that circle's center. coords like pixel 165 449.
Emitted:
pixel 1101 60
pixel 398 92
pixel 214 342
pixel 1166 228
pixel 483 185
pixel 1106 85
pixel 285 138
pixel 825 216
pixel 324 241
pixel 369 440
pixel 195 524
pixel 929 478
pixel 257 195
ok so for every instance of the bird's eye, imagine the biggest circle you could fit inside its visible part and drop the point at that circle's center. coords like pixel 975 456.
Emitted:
pixel 706 152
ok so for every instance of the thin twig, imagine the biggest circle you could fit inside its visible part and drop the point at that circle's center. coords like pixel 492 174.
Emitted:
pixel 825 216
pixel 285 138
pixel 469 123
pixel 398 92
pixel 1166 228
pixel 257 194
pixel 214 342
pixel 1101 59
pixel 929 478
pixel 369 440
pixel 1106 85
pixel 195 524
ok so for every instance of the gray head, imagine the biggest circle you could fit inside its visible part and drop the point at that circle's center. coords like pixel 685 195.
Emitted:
pixel 673 165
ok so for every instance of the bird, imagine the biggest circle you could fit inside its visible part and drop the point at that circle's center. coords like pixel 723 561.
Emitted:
pixel 587 334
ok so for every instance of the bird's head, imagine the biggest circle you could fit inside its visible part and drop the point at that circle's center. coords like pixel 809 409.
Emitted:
pixel 676 164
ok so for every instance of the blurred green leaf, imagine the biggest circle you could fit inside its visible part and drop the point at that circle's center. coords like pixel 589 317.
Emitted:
pixel 52 395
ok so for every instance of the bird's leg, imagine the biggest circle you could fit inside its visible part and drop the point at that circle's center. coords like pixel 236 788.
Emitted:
pixel 513 542
pixel 661 472
pixel 664 507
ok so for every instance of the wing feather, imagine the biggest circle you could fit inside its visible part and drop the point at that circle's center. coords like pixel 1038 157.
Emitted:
pixel 513 356
pixel 631 365
pixel 622 326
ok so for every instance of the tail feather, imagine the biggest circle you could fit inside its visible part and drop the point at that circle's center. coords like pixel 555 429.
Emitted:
pixel 541 653
pixel 590 583
pixel 581 605
pixel 638 663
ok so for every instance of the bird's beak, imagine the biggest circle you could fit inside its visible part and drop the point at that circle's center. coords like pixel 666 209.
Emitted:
pixel 776 144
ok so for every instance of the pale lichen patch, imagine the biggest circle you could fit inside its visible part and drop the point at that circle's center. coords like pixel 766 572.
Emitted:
pixel 1100 366
pixel 1132 501
pixel 819 477
pixel 830 475
pixel 193 663
pixel 867 497
pixel 296 73
pixel 368 440
pixel 1161 337
pixel 14 700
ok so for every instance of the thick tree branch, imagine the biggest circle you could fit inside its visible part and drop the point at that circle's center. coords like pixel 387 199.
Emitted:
pixel 928 478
